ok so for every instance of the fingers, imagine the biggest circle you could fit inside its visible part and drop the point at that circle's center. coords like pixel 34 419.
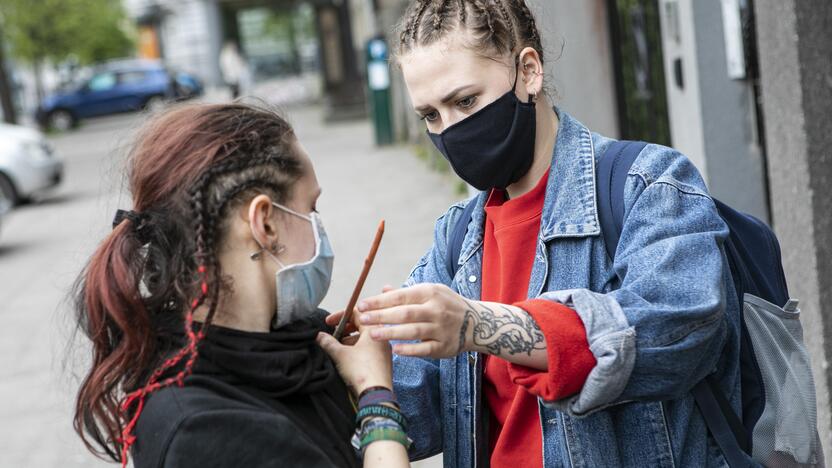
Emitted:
pixel 423 349
pixel 350 340
pixel 330 345
pixel 414 331
pixel 396 297
pixel 387 288
pixel 396 315
pixel 333 318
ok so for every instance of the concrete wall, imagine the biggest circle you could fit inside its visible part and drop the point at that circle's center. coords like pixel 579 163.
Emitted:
pixel 712 116
pixel 576 42
pixel 795 44
pixel 191 35
pixel 735 167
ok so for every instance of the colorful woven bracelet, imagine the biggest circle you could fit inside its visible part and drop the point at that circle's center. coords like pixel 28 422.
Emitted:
pixel 371 424
pixel 377 422
pixel 373 389
pixel 381 411
pixel 396 435
pixel 377 397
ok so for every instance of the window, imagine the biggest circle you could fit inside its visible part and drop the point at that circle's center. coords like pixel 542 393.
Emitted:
pixel 102 82
pixel 132 77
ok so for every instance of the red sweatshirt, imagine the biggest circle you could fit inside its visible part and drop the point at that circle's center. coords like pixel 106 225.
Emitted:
pixel 511 233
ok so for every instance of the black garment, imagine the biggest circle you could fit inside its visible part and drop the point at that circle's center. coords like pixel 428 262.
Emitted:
pixel 253 400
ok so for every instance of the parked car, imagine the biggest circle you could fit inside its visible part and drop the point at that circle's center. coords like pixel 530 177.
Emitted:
pixel 5 206
pixel 117 87
pixel 28 166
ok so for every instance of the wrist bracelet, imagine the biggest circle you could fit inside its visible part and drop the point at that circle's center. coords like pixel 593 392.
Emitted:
pixel 373 424
pixel 376 435
pixel 376 397
pixel 381 411
pixel 377 388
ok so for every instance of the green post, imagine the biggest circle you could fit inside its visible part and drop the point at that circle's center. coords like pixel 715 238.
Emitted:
pixel 378 81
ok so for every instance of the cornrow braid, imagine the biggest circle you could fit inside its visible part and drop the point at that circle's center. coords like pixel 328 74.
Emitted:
pixel 414 30
pixel 495 27
pixel 484 9
pixel 530 25
pixel 437 14
pixel 510 23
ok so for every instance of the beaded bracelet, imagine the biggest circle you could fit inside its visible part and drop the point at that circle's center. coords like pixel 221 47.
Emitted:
pixel 381 411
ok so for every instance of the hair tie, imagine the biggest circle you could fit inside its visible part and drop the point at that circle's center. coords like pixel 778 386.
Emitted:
pixel 139 221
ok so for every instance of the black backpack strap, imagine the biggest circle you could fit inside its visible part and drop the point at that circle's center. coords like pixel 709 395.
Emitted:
pixel 723 423
pixel 457 237
pixel 612 175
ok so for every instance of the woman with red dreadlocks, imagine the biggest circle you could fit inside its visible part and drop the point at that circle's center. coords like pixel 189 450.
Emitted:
pixel 202 311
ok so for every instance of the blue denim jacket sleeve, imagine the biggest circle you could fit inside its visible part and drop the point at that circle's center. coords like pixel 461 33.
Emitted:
pixel 416 380
pixel 662 330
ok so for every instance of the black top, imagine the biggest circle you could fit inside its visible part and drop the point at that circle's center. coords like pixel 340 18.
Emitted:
pixel 253 400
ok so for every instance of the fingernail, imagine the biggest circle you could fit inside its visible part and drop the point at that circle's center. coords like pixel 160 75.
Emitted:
pixel 362 306
pixel 365 319
pixel 375 334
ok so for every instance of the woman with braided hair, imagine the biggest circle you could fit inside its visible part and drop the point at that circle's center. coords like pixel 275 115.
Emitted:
pixel 202 311
pixel 518 340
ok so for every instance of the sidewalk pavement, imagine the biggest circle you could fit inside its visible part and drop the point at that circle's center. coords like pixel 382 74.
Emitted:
pixel 43 246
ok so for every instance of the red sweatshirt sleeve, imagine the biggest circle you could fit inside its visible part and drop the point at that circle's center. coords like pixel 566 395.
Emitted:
pixel 569 357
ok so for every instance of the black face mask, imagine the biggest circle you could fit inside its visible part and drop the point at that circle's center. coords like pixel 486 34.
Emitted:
pixel 494 147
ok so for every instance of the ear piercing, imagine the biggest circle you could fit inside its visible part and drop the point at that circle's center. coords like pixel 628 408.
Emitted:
pixel 275 249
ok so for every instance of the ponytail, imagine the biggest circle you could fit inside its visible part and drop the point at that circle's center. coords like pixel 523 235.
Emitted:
pixel 112 315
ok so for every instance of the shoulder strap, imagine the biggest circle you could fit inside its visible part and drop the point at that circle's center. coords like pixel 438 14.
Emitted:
pixel 722 422
pixel 611 176
pixel 457 237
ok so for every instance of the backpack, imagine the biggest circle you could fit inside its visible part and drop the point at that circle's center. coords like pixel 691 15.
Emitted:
pixel 778 426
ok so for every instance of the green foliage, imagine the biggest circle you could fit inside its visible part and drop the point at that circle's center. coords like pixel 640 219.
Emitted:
pixel 642 72
pixel 91 30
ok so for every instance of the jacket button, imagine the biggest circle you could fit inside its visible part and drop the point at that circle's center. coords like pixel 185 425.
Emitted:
pixel 472 279
pixel 471 359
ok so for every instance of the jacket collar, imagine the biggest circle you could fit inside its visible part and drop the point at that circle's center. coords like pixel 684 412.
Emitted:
pixel 570 208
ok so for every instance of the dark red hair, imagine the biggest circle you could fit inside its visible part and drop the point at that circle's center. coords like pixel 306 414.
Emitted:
pixel 188 166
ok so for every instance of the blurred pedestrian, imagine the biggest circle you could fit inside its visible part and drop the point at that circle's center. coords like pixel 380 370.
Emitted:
pixel 202 311
pixel 234 69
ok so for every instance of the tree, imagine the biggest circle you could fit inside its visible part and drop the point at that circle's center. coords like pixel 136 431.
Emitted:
pixel 6 101
pixel 54 30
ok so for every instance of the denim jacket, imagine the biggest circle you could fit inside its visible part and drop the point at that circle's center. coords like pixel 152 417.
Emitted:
pixel 658 318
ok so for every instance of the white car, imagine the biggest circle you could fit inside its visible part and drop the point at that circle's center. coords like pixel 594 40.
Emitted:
pixel 5 206
pixel 28 165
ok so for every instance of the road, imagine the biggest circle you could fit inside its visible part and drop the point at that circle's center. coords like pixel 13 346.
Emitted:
pixel 44 245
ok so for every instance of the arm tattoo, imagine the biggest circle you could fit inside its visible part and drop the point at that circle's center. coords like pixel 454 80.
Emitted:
pixel 501 331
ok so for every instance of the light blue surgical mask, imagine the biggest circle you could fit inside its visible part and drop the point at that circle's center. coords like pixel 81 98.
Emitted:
pixel 301 287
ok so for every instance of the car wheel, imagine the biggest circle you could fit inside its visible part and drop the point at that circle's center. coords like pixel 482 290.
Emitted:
pixel 7 190
pixel 61 120
pixel 155 104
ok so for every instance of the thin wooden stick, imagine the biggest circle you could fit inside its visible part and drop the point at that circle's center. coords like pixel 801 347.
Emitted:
pixel 368 262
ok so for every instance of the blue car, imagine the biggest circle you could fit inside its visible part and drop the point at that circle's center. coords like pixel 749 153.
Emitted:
pixel 115 88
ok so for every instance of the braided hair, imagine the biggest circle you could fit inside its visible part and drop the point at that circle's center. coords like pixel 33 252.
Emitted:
pixel 496 26
pixel 189 167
